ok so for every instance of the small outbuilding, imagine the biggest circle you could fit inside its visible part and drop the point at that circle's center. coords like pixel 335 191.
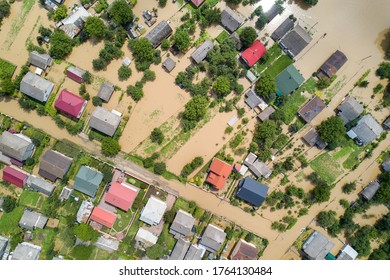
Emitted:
pixel 40 60
pixel 106 90
pixel 76 74
pixel 252 191
pixel 312 137
pixel 84 211
pixel 369 192
pixel 169 64
pixel 347 253
pixel 15 176
pixel 264 116
pixel 332 65
pixel 40 185
pixel 254 101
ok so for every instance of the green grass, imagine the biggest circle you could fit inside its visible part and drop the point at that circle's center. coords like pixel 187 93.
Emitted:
pixel 222 37
pixel 9 222
pixel 67 148
pixel 135 226
pixel 183 204
pixel 291 106
pixel 44 238
pixel 6 69
pixel 327 167
pixel 212 3
pixel 123 219
pixel 136 159
pixel 279 65
pixel 272 54
pixel 31 199
pixel 309 86
pixel 342 153
pixel 352 160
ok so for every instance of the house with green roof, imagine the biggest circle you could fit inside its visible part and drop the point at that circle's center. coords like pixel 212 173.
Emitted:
pixel 288 80
pixel 87 181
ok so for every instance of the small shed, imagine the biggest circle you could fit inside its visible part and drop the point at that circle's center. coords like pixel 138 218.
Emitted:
pixel 106 90
pixel 312 137
pixel 32 220
pixel 371 189
pixel 15 176
pixel 264 116
pixel 126 62
pixel 169 64
pixel 84 211
pixel 75 73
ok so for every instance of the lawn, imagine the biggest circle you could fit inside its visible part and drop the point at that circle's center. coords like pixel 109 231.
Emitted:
pixel 327 167
pixel 6 69
pixel 272 53
pixel 212 3
pixel 279 65
pixel 352 159
pixel 9 222
pixel 68 149
pixel 31 199
pixel 222 37
pixel 291 106
pixel 309 86
pixel 45 238
pixel 182 204
pixel 123 219
pixel 136 182
pixel 135 226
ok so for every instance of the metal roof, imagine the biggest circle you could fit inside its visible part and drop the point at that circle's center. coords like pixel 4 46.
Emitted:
pixel 230 19
pixel 180 249
pixel 17 146
pixel 349 109
pixel 201 52
pixel 104 121
pixel 182 224
pixel 367 129
pixel 317 246
pixel 252 191
pixel 26 251
pixel 40 60
pixel 159 33
pixel 32 220
pixel 88 180
pixel 105 91
pixel 54 165
pixel 153 211
pixel 295 41
pixel 36 87
pixel 213 238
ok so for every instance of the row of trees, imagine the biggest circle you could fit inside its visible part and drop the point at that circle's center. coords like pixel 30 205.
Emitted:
pixel 190 167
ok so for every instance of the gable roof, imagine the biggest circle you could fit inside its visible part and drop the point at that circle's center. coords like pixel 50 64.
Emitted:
pixel 347 253
pixel 195 252
pixel 295 41
pixel 253 100
pixel 54 165
pixel 104 121
pixel 84 211
pixel 121 195
pixel 312 137
pixel 282 29
pixel 17 146
pixel 273 12
pixel 250 159
pixel 32 220
pixel 169 64
pixel 260 169
pixel 153 211
pixel 252 191
pixel 182 224
pixel 244 251
pixel 36 87
pixel 14 176
pixel 146 237
pixel 253 53
pixel 105 91
pixel 75 73
pixel 333 64
pixel 180 249
pixel 349 109
pixel 289 80
pixel 311 109
pixel 40 60
pixel 230 19
pixel 26 251
pixel 219 171
pixel 87 180
pixel 386 123
pixel 103 217
pixel 70 103
pixel 73 24
pixel 212 238
pixel 40 185
pixel 366 130
pixel 317 246
pixel 159 33
pixel 201 52
pixel 197 3
pixel 371 189
pixel 263 116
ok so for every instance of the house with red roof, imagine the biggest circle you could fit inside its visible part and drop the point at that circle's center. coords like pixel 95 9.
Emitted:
pixel 103 217
pixel 219 171
pixel 70 104
pixel 253 53
pixel 14 176
pixel 197 3
pixel 121 195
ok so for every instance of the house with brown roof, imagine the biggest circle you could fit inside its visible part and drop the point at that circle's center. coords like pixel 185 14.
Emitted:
pixel 54 165
pixel 244 251
pixel 219 172
pixel 332 65
pixel 312 137
pixel 311 109
pixel 263 116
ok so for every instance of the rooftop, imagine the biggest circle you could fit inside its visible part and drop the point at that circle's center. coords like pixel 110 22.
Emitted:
pixel 213 238
pixel 88 180
pixel 40 60
pixel 54 165
pixel 312 109
pixel 230 19
pixel 201 52
pixel 17 146
pixel 349 109
pixel 70 103
pixel 252 191
pixel 253 53
pixel 104 121
pixel 219 172
pixel 26 251
pixel 333 64
pixel 366 130
pixel 288 80
pixel 159 33
pixel 105 91
pixel 295 40
pixel 103 217
pixel 244 251
pixel 182 224
pixel 121 195
pixel 180 249
pixel 32 220
pixel 317 246
pixel 153 211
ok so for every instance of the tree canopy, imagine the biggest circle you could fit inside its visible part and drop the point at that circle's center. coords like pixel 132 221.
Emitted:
pixel 110 146
pixel 181 39
pixel 384 70
pixel 221 86
pixel 383 193
pixel 94 27
pixel 143 52
pixel 311 2
pixel 121 12
pixel 332 131
pixel 194 111
pixel 266 88
pixel 5 9
pixel 248 36
pixel 60 13
pixel 327 218
pixel 157 136
pixel 60 45
pixel 86 232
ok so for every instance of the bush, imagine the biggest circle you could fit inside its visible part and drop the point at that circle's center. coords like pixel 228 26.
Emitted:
pixel 349 188
pixel 86 232
pixel 96 101
pixel 9 204
pixel 60 45
pixel 99 64
pixel 159 168
pixel 248 36
pixel 110 147
pixel 124 73
pixel 169 215
pixel 81 252
pixel 135 92
pixel 165 44
pixel 157 136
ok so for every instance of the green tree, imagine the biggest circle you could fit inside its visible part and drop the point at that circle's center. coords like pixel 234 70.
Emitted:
pixel 181 39
pixel 120 12
pixel 266 88
pixel 110 146
pixel 7 87
pixel 165 44
pixel 96 101
pixel 143 53
pixel 9 204
pixel 249 237
pixel 311 2
pixel 262 20
pixel 60 45
pixel 222 86
pixel 383 193
pixel 162 3
pixel 157 136
pixel 95 28
pixel 349 187
pixel 5 9
pixel 323 83
pixel 248 36
pixel 81 252
pixel 86 232
pixel 321 193
pixel 60 13
pixel 135 92
pixel 149 76
pixel 124 73
pixel 327 218
pixel 159 168
pixel 99 64
pixel 169 215
pixel 384 223
pixel 384 70
pixel 235 2
pixel 87 77
pixel 332 131
pixel 194 111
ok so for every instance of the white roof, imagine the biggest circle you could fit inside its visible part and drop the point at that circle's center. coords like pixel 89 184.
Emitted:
pixel 146 236
pixel 243 170
pixel 232 121
pixel 153 211
pixel 84 212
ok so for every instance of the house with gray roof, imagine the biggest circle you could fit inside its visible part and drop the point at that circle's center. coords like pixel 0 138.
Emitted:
pixel 180 249
pixel 273 12
pixel 40 185
pixel 201 52
pixel 386 164
pixel 40 60
pixel 311 109
pixel 295 41
pixel 54 165
pixel 347 253
pixel 32 220
pixel 182 224
pixel 65 193
pixel 26 251
pixel 74 23
pixel 317 246
pixel 312 137
pixel 371 189
pixel 84 211
pixel 349 109
pixel 16 146
pixel 145 237
pixel 107 243
pixel 104 121
pixel 231 20
pixel 234 36
pixel 195 252
pixel 105 91
pixel 213 238
pixel 254 101
pixel 250 159
pixel 260 169
pixel 153 211
pixel 36 87
pixel 3 246
pixel 159 33
pixel 366 130
pixel 264 116
pixel 282 29
pixel 169 64
pixel 87 181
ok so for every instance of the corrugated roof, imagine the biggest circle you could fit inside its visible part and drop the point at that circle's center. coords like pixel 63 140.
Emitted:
pixel 40 60
pixel 180 249
pixel 54 165
pixel 333 64
pixel 253 53
pixel 195 252
pixel 40 185
pixel 253 100
pixel 17 146
pixel 367 129
pixel 369 191
pixel 159 33
pixel 201 52
pixel 317 246
pixel 153 211
pixel 104 121
pixel 252 191
pixel 88 180
pixel 289 80
pixel 36 87
pixel 121 196
pixel 213 238
pixel 169 64
pixel 105 91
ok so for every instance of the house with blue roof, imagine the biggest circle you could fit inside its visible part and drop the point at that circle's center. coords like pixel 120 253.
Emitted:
pixel 252 191
pixel 288 80
pixel 88 180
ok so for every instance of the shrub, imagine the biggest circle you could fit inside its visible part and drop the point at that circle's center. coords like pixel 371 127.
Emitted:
pixel 9 204
pixel 157 136
pixel 124 73
pixel 159 168
pixel 135 92
pixel 96 101
pixel 110 147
